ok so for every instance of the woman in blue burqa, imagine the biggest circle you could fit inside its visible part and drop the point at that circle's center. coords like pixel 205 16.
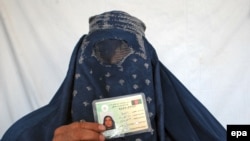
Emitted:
pixel 116 59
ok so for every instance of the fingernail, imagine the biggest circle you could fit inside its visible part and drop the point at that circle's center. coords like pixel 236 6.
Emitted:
pixel 101 127
pixel 101 138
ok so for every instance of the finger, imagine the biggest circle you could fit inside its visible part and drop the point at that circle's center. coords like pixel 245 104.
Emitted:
pixel 61 129
pixel 73 132
pixel 88 135
pixel 81 125
pixel 92 126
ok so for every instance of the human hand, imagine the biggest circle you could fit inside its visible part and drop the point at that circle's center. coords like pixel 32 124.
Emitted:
pixel 80 131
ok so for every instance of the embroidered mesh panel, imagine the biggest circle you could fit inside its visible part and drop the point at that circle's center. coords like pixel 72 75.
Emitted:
pixel 111 51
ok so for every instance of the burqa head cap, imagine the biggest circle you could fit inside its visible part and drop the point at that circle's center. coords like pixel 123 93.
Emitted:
pixel 117 25
pixel 116 20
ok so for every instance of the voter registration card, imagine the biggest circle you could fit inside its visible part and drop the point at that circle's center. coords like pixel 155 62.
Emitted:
pixel 123 115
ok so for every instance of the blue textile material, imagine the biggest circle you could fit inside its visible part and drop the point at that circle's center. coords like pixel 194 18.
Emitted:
pixel 175 114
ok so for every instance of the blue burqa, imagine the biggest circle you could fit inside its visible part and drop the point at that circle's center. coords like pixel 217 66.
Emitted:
pixel 115 59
